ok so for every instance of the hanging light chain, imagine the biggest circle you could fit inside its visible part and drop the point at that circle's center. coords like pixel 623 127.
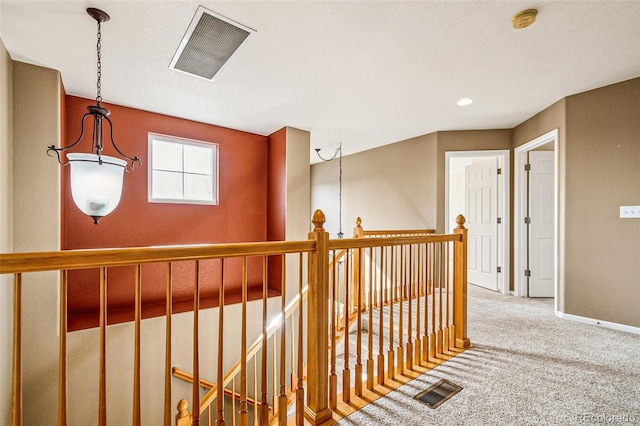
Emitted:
pixel 99 67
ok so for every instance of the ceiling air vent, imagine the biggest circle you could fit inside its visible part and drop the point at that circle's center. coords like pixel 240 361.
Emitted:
pixel 208 44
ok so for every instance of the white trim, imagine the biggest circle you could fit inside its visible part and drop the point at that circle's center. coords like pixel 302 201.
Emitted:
pixel 519 185
pixel 600 323
pixel 214 147
pixel 504 156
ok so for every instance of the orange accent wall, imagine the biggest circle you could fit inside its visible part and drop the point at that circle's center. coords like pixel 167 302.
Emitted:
pixel 241 216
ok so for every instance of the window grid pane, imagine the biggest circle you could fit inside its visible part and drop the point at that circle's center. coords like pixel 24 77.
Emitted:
pixel 182 171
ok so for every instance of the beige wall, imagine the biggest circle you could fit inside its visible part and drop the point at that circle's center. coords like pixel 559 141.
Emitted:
pixel 402 185
pixel 470 140
pixel 6 227
pixel 388 187
pixel 36 227
pixel 602 253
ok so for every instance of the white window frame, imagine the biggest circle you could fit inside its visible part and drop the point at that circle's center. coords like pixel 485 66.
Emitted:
pixel 182 141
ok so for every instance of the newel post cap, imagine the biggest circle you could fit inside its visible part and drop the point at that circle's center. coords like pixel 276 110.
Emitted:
pixel 318 220
pixel 460 220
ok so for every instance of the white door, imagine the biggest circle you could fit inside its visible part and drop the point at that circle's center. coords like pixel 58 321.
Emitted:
pixel 541 238
pixel 481 202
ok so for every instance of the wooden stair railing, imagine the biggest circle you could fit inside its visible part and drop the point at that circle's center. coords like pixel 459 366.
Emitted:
pixel 379 273
pixel 351 278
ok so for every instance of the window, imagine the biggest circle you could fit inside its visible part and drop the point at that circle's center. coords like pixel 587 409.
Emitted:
pixel 182 170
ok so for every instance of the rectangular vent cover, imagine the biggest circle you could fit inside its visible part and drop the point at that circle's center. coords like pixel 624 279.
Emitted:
pixel 208 44
pixel 438 393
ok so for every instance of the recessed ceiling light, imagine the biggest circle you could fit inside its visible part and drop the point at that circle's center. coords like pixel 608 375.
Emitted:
pixel 465 101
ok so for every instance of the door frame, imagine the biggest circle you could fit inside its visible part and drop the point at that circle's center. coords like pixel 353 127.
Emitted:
pixel 520 206
pixel 504 156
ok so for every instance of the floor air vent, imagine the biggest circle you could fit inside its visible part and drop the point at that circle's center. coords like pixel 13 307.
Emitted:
pixel 208 44
pixel 438 393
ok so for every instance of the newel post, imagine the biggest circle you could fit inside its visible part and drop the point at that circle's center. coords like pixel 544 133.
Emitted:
pixel 357 296
pixel 460 285
pixel 358 232
pixel 317 411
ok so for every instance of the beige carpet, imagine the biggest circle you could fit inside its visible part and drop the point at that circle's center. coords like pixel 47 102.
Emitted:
pixel 527 367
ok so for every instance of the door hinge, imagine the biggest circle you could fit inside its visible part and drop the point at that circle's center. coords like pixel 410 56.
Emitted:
pixel 499 220
pixel 499 171
pixel 499 269
pixel 527 219
pixel 527 272
pixel 527 167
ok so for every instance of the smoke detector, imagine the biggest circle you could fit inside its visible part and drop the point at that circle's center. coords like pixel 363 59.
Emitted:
pixel 524 18
pixel 208 44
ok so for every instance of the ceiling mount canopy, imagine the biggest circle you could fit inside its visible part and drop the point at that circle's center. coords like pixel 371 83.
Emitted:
pixel 96 179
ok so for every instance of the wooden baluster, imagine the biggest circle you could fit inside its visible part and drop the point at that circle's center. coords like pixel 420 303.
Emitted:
pixel 425 336
pixel 391 368
pixel 401 289
pixel 346 371
pixel 317 410
pixel 439 335
pixel 382 279
pixel 264 405
pixel 447 329
pixel 410 312
pixel 300 366
pixel 257 409
pixel 167 351
pixel 62 353
pixel 102 385
pixel 432 281
pixel 195 389
pixel 275 378
pixel 220 373
pixel 137 419
pixel 234 415
pixel 244 413
pixel 282 398
pixel 370 295
pixel 359 304
pixel 333 377
pixel 460 285
pixel 417 357
pixel 292 353
pixel 16 390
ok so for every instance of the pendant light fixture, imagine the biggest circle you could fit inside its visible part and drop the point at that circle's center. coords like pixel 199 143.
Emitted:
pixel 338 154
pixel 96 179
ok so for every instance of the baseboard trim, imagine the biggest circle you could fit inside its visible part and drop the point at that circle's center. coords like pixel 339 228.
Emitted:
pixel 600 323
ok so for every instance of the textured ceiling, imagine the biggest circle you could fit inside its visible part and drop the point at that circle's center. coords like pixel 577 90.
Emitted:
pixel 360 73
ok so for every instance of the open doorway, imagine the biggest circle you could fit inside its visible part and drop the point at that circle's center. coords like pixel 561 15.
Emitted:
pixel 476 185
pixel 536 217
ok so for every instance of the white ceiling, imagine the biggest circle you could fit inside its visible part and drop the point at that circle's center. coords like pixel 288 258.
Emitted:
pixel 361 73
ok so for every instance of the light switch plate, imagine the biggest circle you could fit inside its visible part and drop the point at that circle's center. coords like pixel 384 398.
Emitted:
pixel 629 212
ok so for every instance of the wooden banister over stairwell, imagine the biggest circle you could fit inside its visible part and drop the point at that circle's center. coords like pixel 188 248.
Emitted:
pixel 388 306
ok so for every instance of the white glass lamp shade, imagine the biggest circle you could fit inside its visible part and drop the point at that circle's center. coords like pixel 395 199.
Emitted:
pixel 96 188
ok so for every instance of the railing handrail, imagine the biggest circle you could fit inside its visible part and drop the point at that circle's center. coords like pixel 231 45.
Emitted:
pixel 354 243
pixel 399 232
pixel 11 263
pixel 431 270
